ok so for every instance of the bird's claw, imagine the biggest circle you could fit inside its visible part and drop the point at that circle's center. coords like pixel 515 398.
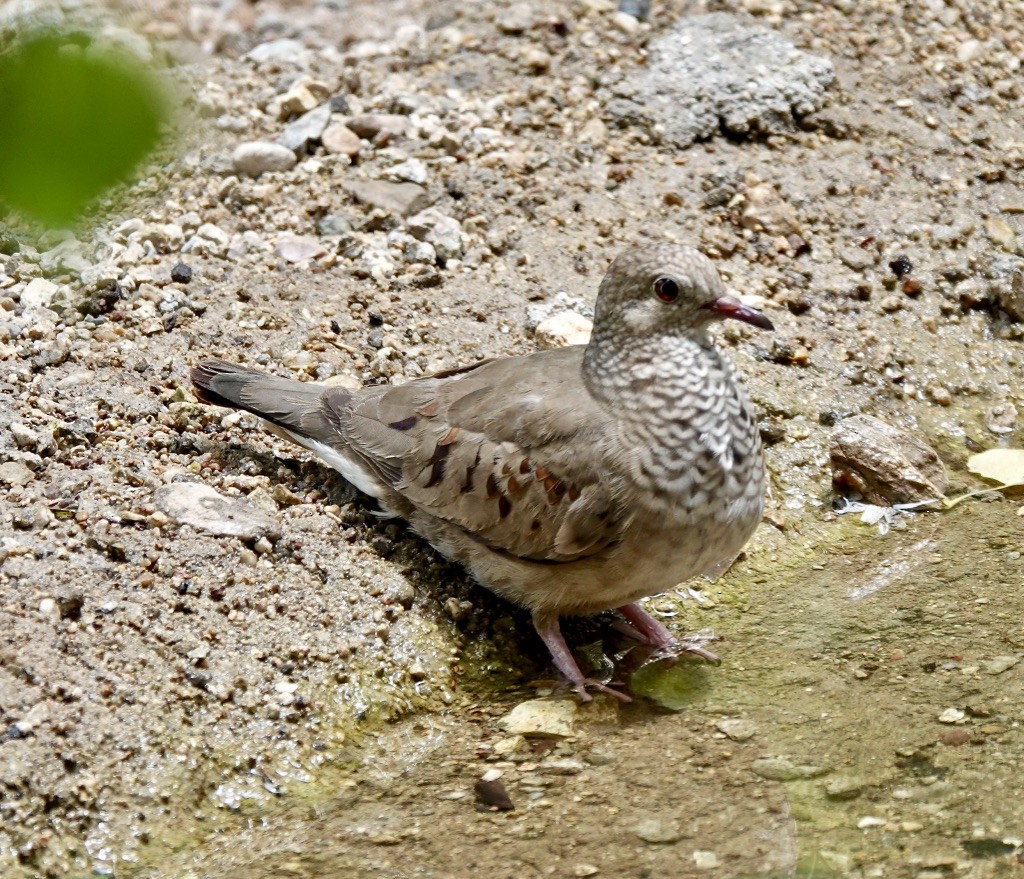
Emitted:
pixel 581 690
pixel 676 650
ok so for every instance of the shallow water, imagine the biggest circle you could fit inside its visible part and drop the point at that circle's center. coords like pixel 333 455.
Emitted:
pixel 880 680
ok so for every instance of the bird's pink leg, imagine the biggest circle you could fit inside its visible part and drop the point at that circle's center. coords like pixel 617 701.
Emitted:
pixel 550 633
pixel 658 636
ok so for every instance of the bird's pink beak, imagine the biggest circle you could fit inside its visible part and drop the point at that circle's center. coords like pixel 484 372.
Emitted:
pixel 730 306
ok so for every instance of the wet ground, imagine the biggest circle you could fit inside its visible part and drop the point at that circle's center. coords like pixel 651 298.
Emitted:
pixel 866 721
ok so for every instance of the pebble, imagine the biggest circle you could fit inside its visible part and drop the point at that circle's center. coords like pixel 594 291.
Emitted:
pixel 951 715
pixel 198 505
pixel 306 130
pixel 333 224
pixel 165 237
pixel 379 127
pixel 48 608
pixel 402 199
pixel 298 248
pixel 999 664
pixel 507 746
pixel 284 51
pixel 870 821
pixel 492 793
pixel 38 293
pixel 844 788
pixel 259 157
pixel 1000 232
pixel 737 729
pixel 340 139
pixel 585 870
pixel 517 19
pixel 563 766
pixel 858 259
pixel 15 473
pixel 781 769
pixel 658 831
pixel 411 171
pixel 563 328
pixel 302 96
pixel 540 718
pixel 705 860
pixel 181 273
pixel 100 276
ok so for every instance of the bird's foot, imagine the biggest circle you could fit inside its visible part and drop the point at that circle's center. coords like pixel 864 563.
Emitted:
pixel 581 690
pixel 686 645
pixel 665 644
pixel 551 634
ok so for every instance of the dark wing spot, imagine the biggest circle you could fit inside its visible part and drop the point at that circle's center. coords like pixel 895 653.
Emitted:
pixel 492 486
pixel 438 462
pixel 504 506
pixel 524 465
pixel 506 468
pixel 574 493
pixel 449 437
pixel 467 486
pixel 553 498
pixel 514 485
pixel 404 424
pixel 541 474
pixel 535 525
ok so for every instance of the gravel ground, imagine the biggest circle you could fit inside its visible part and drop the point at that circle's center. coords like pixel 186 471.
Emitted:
pixel 368 192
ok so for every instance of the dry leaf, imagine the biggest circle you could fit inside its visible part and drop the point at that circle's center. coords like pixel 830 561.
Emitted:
pixel 1005 466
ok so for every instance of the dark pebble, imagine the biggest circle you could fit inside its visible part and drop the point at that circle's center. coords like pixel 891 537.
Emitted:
pixel 181 273
pixel 493 795
pixel 901 266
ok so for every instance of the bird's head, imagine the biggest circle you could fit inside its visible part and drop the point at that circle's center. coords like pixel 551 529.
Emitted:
pixel 662 288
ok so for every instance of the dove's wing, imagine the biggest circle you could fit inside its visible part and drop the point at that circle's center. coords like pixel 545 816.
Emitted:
pixel 511 451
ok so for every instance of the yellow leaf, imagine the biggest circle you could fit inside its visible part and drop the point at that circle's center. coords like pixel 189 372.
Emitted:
pixel 1005 466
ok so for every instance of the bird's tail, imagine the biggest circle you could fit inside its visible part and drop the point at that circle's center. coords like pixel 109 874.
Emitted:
pixel 290 404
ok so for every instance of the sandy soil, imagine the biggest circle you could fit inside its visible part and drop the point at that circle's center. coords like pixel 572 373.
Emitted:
pixel 320 701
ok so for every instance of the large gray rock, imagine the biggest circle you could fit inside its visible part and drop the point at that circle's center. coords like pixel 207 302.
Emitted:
pixel 718 72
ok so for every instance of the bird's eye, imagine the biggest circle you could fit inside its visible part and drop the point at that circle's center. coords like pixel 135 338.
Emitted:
pixel 667 289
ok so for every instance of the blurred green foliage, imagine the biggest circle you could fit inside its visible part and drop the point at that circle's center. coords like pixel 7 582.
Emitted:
pixel 75 119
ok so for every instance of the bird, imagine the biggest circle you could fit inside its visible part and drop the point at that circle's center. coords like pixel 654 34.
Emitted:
pixel 569 481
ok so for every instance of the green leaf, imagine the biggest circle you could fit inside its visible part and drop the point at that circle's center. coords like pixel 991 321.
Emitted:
pixel 1005 466
pixel 75 121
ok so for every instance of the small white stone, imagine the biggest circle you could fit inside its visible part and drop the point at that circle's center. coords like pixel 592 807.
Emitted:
pixel 542 718
pixel 737 729
pixel 704 860
pixel 563 328
pixel 951 715
pixel 38 293
pixel 870 821
pixel 259 157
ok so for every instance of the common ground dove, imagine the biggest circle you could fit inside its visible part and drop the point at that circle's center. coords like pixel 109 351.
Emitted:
pixel 570 481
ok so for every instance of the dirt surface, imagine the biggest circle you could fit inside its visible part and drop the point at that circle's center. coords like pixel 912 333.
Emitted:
pixel 320 698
